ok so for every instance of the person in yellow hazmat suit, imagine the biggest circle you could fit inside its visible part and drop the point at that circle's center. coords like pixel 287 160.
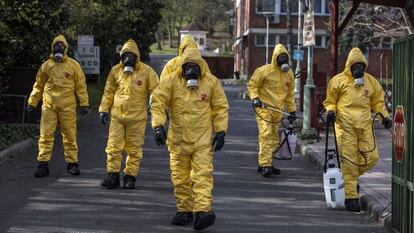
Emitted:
pixel 272 84
pixel 125 96
pixel 172 65
pixel 196 101
pixel 350 98
pixel 58 81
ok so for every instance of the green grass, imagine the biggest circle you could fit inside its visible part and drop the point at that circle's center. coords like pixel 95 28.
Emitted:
pixel 95 93
pixel 165 50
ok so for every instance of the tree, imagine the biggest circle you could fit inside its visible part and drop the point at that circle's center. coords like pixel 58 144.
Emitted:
pixel 114 22
pixel 27 28
pixel 174 14
pixel 210 13
pixel 372 25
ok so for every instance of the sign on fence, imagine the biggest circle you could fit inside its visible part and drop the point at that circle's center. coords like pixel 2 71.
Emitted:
pixel 88 58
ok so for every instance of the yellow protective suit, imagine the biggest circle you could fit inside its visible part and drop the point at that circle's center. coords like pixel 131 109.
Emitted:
pixel 276 88
pixel 173 64
pixel 126 96
pixel 353 106
pixel 189 139
pixel 57 84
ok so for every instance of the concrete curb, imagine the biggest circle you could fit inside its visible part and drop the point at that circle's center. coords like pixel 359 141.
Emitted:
pixel 15 149
pixel 372 207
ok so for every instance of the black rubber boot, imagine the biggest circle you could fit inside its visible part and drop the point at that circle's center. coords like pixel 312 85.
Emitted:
pixel 73 169
pixel 352 205
pixel 203 220
pixel 111 181
pixel 42 169
pixel 182 218
pixel 129 182
pixel 276 170
pixel 266 171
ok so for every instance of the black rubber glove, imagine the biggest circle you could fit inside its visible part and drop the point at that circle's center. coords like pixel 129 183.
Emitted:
pixel 103 116
pixel 30 108
pixel 292 117
pixel 219 140
pixel 159 135
pixel 330 117
pixel 84 110
pixel 257 103
pixel 387 123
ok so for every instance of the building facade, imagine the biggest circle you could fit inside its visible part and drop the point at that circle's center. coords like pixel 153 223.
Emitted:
pixel 250 38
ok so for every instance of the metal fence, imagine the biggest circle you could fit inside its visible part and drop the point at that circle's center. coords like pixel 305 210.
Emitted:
pixel 12 109
pixel 402 172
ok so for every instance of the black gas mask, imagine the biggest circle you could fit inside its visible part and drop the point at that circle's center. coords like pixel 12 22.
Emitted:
pixel 358 70
pixel 58 51
pixel 283 62
pixel 191 73
pixel 129 60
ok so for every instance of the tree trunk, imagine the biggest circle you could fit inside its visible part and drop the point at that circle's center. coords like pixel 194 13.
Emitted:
pixel 158 37
pixel 169 38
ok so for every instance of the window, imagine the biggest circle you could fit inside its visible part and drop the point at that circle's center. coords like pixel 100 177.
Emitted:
pixel 295 6
pixel 282 39
pixel 201 41
pixel 327 8
pixel 321 7
pixel 317 6
pixel 321 41
pixel 265 6
pixel 260 40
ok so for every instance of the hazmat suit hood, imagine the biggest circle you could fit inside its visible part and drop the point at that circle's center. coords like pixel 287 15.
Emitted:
pixel 187 42
pixel 131 47
pixel 192 55
pixel 355 56
pixel 279 49
pixel 60 38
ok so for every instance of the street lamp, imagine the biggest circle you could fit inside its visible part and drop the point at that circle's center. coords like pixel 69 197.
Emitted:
pixel 267 15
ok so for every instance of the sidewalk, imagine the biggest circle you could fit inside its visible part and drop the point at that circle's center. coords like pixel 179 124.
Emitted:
pixel 375 184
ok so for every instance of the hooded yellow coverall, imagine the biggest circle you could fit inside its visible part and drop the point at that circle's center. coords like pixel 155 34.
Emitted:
pixel 173 64
pixel 275 88
pixel 189 139
pixel 126 96
pixel 57 84
pixel 353 106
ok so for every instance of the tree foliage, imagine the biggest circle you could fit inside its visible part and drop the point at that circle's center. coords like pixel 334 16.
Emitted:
pixel 28 27
pixel 178 13
pixel 371 25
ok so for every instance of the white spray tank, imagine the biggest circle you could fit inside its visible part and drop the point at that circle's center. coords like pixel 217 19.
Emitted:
pixel 333 181
pixel 288 147
pixel 333 184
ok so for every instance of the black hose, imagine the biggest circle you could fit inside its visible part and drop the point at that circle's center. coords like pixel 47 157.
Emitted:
pixel 286 135
pixel 363 153
pixel 271 122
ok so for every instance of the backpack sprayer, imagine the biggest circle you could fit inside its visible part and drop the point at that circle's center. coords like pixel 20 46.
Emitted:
pixel 288 138
pixel 333 182
pixel 332 175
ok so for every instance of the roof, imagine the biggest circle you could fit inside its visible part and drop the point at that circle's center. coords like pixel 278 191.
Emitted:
pixel 192 27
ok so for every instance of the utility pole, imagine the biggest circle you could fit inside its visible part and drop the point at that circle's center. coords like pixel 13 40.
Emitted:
pixel 307 131
pixel 289 29
pixel 267 15
pixel 298 69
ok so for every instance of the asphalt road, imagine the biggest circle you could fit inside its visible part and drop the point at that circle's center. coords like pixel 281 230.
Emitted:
pixel 244 201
